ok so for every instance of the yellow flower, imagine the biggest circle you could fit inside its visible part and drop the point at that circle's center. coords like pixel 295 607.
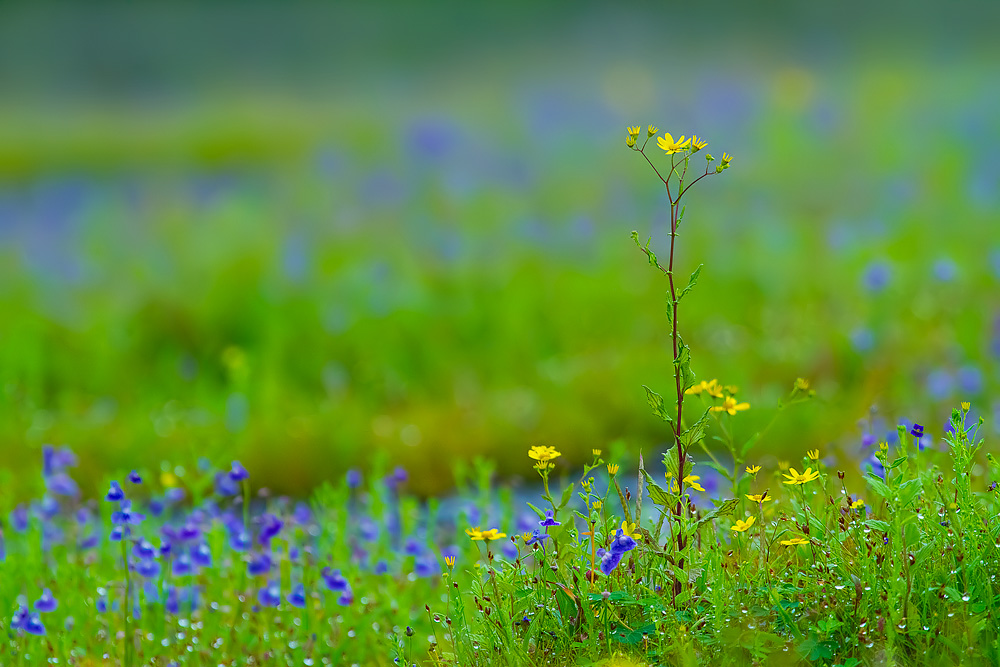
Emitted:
pixel 595 452
pixel 691 481
pixel 759 498
pixel 783 465
pixel 597 505
pixel 726 159
pixel 526 537
pixel 712 388
pixel 965 406
pixel 731 389
pixel 742 525
pixel 651 130
pixel 612 469
pixel 801 384
pixel 168 480
pixel 543 454
pixel 813 454
pixel 697 144
pixel 484 535
pixel 634 131
pixel 800 478
pixel 731 406
pixel 753 470
pixel 857 503
pixel 667 143
pixel 630 141
pixel 449 561
pixel 630 530
pixel 795 541
pixel 883 447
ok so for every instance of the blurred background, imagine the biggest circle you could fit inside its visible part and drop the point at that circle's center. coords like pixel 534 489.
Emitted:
pixel 310 236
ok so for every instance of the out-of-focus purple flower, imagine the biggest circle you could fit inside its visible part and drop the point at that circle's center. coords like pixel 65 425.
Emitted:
pixel 125 516
pixel 867 440
pixel 970 379
pixel 270 595
pixel 116 534
pixel 47 509
pixel 156 507
pixel 174 495
pixel 413 547
pixel 115 493
pixel 334 580
pixel 46 602
pixel 182 565
pixel 549 519
pixel 297 598
pixel 270 526
pixel 862 339
pixel 19 619
pixel 172 603
pixel 225 486
pixel 33 625
pixel 259 564
pixel 62 484
pixel 190 531
pixel 399 475
pixel 945 270
pixel 432 139
pixel 239 540
pixel 302 513
pixel 134 477
pixel 426 565
pixel 144 549
pixel 940 384
pixel 87 542
pixel 201 555
pixel 381 567
pixel 148 568
pixel 102 604
pixel 877 276
pixel 19 518
pixel 368 529
pixel 238 473
pixel 509 550
pixel 353 478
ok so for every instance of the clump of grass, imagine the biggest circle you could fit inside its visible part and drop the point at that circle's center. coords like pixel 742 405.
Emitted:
pixel 790 564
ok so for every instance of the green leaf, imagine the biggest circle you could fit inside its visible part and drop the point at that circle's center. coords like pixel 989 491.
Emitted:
pixel 567 494
pixel 908 491
pixel 877 525
pixel 656 492
pixel 898 462
pixel 682 365
pixel 670 310
pixel 540 513
pixel 727 508
pixel 694 435
pixel 692 281
pixel 878 486
pixel 659 407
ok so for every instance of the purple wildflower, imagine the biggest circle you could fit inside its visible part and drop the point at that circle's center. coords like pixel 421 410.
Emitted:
pixel 549 519
pixel 270 595
pixel 46 602
pixel 238 473
pixel 115 493
pixel 297 598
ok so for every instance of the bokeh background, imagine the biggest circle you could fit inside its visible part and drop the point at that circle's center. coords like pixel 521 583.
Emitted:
pixel 313 237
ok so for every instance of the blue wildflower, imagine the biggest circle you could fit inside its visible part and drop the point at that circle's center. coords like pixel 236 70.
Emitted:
pixel 33 626
pixel 259 564
pixel 134 477
pixel 144 549
pixel 125 516
pixel 509 549
pixel 115 494
pixel 334 580
pixel 189 532
pixel 426 565
pixel 182 565
pixel 225 486
pixel 201 555
pixel 270 526
pixel 549 519
pixel 302 513
pixel 116 534
pixel 877 276
pixel 19 518
pixel 46 602
pixel 238 473
pixel 148 568
pixel 381 567
pixel 102 604
pixel 173 495
pixel 270 595
pixel 917 431
pixel 970 379
pixel 945 270
pixel 239 540
pixel 413 547
pixel 353 478
pixel 172 603
pixel 297 598
pixel 62 484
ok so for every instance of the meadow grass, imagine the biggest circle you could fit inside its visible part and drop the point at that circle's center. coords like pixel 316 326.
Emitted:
pixel 180 566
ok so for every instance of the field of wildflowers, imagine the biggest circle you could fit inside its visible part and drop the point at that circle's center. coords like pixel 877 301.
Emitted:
pixel 609 563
